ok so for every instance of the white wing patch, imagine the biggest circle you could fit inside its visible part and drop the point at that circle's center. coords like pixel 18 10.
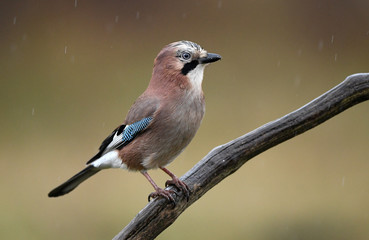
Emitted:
pixel 117 140
pixel 109 160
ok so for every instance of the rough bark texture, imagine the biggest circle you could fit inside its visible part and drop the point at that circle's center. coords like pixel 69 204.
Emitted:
pixel 226 159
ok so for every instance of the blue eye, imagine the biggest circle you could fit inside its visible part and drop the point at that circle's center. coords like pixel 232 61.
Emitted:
pixel 186 55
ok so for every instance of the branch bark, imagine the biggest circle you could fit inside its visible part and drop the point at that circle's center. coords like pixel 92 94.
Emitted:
pixel 228 158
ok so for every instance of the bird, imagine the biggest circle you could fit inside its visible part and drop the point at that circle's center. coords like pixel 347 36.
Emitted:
pixel 160 123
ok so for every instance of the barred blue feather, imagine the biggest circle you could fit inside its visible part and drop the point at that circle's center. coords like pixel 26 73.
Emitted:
pixel 121 136
pixel 131 131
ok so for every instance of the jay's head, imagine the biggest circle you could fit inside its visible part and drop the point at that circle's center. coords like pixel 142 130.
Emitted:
pixel 182 61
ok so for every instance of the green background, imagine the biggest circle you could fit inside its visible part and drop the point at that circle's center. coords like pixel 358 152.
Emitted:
pixel 69 71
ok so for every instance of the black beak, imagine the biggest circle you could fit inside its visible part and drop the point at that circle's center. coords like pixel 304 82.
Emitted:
pixel 211 57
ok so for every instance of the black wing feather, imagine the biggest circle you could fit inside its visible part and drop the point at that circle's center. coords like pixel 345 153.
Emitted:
pixel 106 142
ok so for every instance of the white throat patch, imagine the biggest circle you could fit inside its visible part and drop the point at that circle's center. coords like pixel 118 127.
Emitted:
pixel 196 75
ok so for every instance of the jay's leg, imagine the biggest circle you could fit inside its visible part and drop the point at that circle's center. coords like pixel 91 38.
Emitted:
pixel 158 190
pixel 176 182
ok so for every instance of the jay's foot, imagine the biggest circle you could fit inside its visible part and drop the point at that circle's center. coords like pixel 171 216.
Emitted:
pixel 162 193
pixel 180 186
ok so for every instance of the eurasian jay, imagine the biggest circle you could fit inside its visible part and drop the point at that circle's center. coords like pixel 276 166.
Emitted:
pixel 160 123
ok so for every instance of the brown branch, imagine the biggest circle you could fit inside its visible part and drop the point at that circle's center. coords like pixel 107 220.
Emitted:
pixel 226 159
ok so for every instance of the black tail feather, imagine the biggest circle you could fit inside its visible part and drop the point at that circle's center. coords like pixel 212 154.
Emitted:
pixel 74 181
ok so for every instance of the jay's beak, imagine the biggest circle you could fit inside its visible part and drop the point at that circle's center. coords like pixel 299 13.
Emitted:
pixel 211 57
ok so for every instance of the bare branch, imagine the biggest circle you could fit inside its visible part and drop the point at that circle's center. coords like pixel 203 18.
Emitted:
pixel 228 158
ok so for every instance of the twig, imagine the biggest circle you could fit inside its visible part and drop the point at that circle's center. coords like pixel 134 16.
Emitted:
pixel 228 158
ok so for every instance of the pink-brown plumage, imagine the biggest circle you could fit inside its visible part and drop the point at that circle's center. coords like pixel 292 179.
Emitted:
pixel 177 110
pixel 161 122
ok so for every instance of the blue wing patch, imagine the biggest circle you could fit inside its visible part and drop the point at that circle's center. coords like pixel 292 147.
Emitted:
pixel 131 131
pixel 121 136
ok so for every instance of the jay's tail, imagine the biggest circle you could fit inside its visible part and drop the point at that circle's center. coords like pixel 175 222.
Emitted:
pixel 74 181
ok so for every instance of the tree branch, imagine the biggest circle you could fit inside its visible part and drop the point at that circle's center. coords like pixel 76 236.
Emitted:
pixel 228 158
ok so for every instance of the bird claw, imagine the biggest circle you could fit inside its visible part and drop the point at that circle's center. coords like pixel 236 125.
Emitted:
pixel 180 185
pixel 162 193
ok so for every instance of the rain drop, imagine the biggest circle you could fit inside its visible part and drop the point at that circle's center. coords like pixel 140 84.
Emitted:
pixel 13 47
pixel 335 57
pixel 332 39
pixel 320 45
pixel 297 81
pixel 14 20
pixel 137 15
pixel 299 52
pixel 65 50
pixel 220 4
pixel 116 18
pixel 33 111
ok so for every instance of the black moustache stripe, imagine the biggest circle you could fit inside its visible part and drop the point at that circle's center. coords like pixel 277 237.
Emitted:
pixel 189 66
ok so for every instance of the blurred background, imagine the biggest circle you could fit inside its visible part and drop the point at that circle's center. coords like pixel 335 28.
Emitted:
pixel 70 70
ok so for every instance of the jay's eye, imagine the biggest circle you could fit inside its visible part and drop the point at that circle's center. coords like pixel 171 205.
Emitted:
pixel 185 55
